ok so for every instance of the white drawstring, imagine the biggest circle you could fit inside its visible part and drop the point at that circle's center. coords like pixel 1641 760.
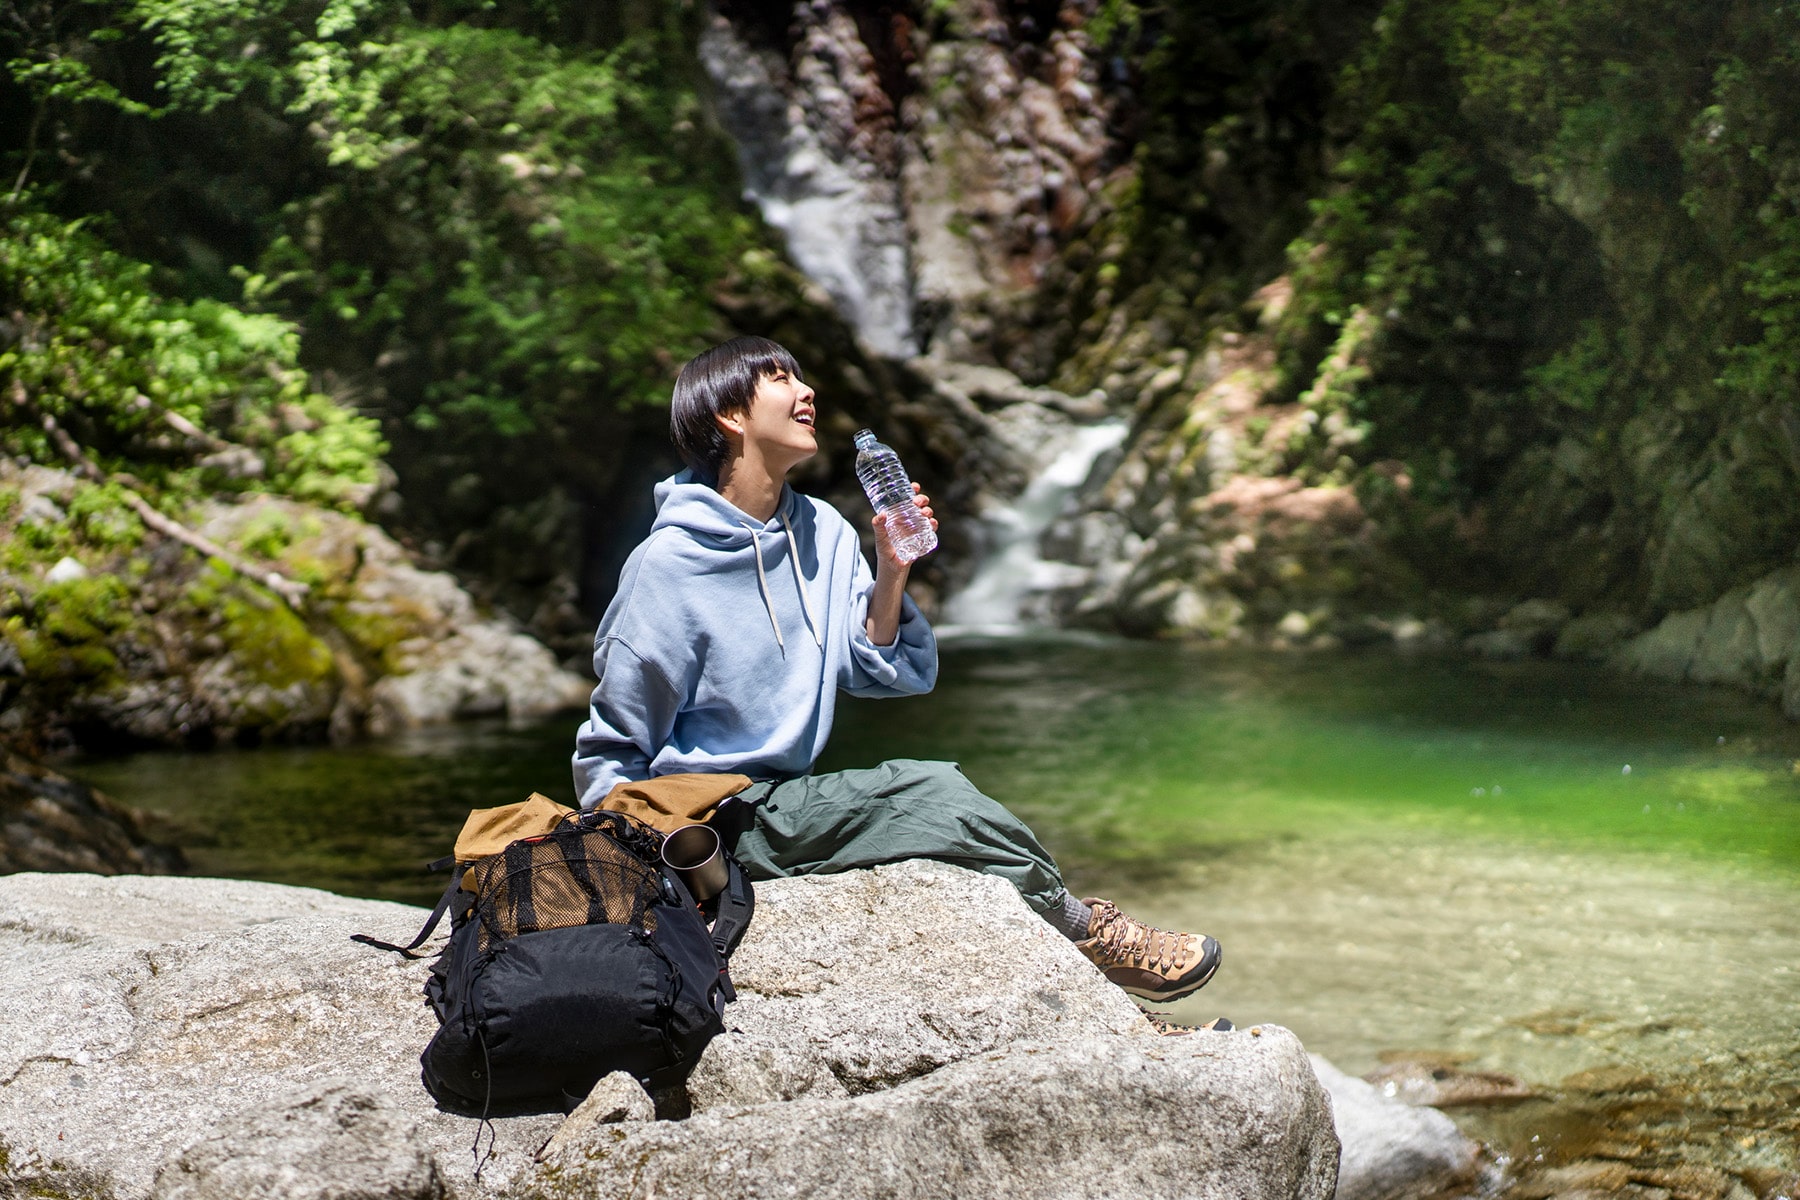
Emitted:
pixel 762 581
pixel 800 582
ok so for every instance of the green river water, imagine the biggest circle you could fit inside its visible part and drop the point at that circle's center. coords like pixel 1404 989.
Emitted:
pixel 1586 882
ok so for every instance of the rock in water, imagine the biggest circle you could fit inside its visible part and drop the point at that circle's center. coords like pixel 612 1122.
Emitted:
pixel 1747 638
pixel 1441 1084
pixel 1393 1150
pixel 910 1030
pixel 49 822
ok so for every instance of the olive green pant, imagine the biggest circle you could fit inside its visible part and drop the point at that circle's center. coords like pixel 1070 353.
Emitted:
pixel 904 808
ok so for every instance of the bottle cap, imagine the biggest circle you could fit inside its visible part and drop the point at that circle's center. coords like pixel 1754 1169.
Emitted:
pixel 865 438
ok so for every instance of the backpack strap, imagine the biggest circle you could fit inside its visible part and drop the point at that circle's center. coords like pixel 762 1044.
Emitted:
pixel 732 914
pixel 736 904
pixel 444 903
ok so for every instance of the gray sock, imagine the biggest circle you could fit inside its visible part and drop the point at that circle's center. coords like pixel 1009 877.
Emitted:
pixel 1070 918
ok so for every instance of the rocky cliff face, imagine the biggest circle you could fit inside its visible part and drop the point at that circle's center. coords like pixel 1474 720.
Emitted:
pixel 925 166
pixel 1000 140
pixel 1428 327
pixel 1519 331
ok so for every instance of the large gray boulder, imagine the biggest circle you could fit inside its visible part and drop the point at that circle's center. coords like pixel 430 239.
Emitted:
pixel 1748 638
pixel 436 656
pixel 1234 1116
pixel 855 983
pixel 898 1031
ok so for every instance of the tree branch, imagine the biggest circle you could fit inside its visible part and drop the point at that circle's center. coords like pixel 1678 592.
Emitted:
pixel 292 591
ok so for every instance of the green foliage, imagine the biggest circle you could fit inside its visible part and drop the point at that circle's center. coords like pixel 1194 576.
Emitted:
pixel 1585 262
pixel 62 634
pixel 1419 249
pixel 1580 376
pixel 268 533
pixel 503 220
pixel 203 58
pixel 173 401
pixel 1771 365
pixel 525 231
pixel 327 455
pixel 153 387
pixel 499 224
pixel 1513 57
pixel 1742 155
pixel 266 638
pixel 555 250
pixel 103 518
pixel 52 49
pixel 1115 21
pixel 1229 153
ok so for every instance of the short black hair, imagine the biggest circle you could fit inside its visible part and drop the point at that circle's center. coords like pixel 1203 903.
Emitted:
pixel 717 383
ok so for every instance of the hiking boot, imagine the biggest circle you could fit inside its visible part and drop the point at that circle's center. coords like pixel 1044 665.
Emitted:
pixel 1156 964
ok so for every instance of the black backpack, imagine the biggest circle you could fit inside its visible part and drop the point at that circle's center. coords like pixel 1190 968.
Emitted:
pixel 576 954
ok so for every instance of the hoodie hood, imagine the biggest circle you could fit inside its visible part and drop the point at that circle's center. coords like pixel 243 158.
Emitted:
pixel 685 502
pixel 713 522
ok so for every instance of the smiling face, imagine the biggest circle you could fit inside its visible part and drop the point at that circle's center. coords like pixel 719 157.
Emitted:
pixel 777 429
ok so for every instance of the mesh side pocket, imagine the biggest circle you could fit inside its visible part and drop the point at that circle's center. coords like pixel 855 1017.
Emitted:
pixel 573 876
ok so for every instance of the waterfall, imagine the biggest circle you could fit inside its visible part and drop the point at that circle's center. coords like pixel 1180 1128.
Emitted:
pixel 839 212
pixel 998 598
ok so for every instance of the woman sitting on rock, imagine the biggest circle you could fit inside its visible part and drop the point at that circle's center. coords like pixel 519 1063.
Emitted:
pixel 737 622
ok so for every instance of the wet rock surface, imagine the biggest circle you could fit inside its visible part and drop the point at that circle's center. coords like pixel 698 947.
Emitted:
pixel 1748 638
pixel 1713 1134
pixel 49 822
pixel 1440 1083
pixel 923 168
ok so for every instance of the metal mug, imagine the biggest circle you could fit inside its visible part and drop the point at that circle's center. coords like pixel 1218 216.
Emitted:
pixel 694 853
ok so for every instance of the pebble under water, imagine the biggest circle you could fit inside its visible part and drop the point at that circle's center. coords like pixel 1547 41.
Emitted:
pixel 1440 874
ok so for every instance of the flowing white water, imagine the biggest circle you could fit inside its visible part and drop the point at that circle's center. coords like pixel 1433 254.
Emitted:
pixel 998 598
pixel 841 219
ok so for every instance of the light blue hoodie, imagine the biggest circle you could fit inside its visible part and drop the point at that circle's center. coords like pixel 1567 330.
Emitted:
pixel 729 640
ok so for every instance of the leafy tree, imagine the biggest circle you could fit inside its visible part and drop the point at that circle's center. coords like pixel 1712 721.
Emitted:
pixel 497 225
pixel 185 398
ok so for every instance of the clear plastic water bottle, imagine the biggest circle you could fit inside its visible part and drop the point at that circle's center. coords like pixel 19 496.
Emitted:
pixel 885 482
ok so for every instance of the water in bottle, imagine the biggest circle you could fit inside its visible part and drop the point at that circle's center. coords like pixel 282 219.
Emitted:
pixel 890 491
